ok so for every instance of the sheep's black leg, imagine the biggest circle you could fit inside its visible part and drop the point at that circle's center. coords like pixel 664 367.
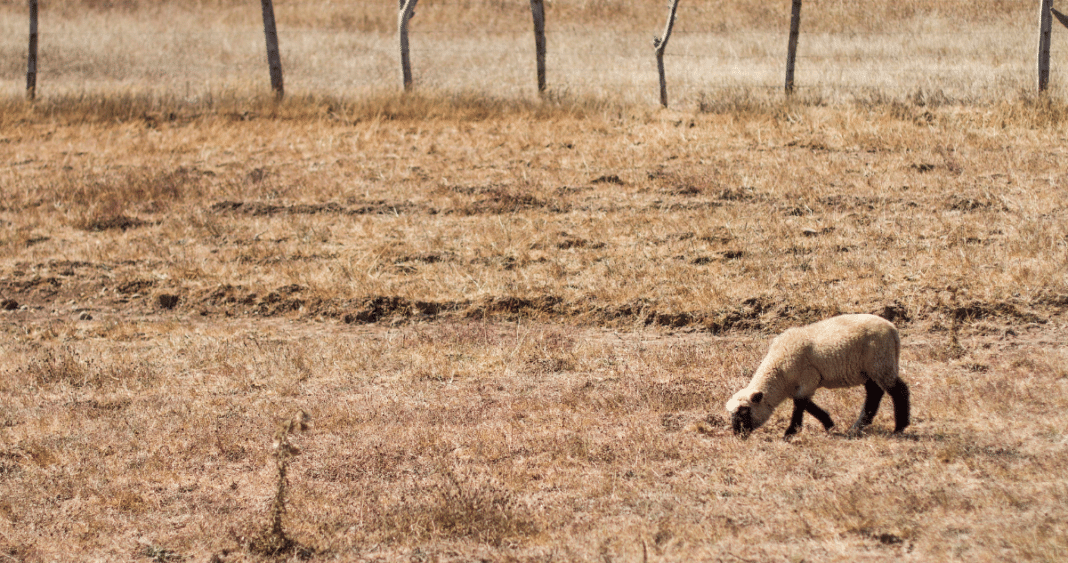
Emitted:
pixel 796 418
pixel 820 414
pixel 900 395
pixel 871 404
pixel 801 406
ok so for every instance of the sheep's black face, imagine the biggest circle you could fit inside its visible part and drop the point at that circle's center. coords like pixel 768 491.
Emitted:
pixel 742 422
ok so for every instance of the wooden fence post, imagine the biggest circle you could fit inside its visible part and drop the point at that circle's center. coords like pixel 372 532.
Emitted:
pixel 791 47
pixel 537 9
pixel 274 60
pixel 1045 26
pixel 1060 17
pixel 407 10
pixel 660 45
pixel 31 64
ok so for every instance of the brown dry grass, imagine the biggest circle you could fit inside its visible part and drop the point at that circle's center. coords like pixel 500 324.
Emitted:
pixel 514 324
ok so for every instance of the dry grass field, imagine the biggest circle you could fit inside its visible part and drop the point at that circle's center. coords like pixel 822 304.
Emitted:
pixel 513 324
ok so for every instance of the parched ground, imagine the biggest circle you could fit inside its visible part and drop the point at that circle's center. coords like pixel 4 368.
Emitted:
pixel 514 326
pixel 524 441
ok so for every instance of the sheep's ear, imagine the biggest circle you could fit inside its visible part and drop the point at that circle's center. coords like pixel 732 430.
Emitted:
pixel 757 397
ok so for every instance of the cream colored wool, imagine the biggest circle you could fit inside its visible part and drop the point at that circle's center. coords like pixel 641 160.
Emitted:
pixel 843 351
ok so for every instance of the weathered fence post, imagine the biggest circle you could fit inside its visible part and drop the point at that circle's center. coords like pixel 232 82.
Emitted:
pixel 791 47
pixel 1060 17
pixel 1044 41
pixel 407 10
pixel 31 64
pixel 274 60
pixel 660 45
pixel 1045 27
pixel 537 9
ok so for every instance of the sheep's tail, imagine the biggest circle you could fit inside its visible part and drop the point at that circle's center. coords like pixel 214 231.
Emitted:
pixel 897 354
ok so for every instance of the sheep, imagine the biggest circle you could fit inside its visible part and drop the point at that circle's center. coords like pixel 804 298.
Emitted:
pixel 843 351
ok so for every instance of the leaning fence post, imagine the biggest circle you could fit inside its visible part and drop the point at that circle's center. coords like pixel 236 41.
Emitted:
pixel 274 60
pixel 537 9
pixel 407 10
pixel 1060 17
pixel 660 45
pixel 791 47
pixel 31 63
pixel 1045 27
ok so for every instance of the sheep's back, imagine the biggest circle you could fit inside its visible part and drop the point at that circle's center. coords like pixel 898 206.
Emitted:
pixel 850 349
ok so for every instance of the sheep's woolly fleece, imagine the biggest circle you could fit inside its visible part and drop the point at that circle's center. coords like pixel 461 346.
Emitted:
pixel 843 351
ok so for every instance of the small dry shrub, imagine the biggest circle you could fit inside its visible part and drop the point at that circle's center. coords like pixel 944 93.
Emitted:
pixel 272 540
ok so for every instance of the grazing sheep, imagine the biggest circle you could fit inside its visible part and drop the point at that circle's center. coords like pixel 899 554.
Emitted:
pixel 843 351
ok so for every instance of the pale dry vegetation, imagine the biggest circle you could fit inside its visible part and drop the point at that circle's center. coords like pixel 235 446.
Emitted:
pixel 208 51
pixel 514 323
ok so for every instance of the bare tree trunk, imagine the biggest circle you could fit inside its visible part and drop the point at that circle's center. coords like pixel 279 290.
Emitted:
pixel 407 10
pixel 1045 25
pixel 537 8
pixel 31 65
pixel 274 60
pixel 660 45
pixel 791 47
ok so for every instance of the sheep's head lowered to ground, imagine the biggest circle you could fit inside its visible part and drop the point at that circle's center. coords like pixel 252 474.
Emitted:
pixel 748 411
